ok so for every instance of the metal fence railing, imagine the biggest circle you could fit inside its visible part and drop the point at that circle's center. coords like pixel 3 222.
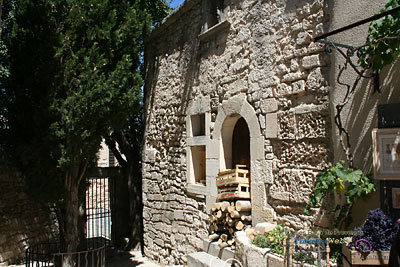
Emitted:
pixel 52 255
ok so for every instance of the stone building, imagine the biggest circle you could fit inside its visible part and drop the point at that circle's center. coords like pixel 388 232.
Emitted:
pixel 240 81
pixel 23 222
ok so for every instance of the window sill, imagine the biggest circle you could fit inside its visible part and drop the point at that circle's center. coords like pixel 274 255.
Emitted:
pixel 214 30
pixel 196 190
pixel 198 140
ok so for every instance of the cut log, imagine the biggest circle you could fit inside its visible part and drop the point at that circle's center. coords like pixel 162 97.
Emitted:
pixel 239 225
pixel 219 214
pixel 232 223
pixel 224 237
pixel 231 231
pixel 213 218
pixel 231 242
pixel 223 245
pixel 213 237
pixel 235 214
pixel 231 208
pixel 214 206
pixel 250 231
pixel 243 205
pixel 218 227
pixel 246 218
pixel 225 205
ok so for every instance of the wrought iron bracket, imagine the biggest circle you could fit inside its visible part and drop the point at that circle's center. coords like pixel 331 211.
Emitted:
pixel 348 52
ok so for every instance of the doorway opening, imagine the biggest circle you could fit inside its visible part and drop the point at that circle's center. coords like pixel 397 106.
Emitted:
pixel 241 144
pixel 235 145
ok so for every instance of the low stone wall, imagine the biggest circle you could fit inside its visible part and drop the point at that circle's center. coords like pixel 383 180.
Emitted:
pixel 23 223
pixel 250 255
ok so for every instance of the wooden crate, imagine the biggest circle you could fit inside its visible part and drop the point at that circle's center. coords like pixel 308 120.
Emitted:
pixel 354 257
pixel 231 177
pixel 241 191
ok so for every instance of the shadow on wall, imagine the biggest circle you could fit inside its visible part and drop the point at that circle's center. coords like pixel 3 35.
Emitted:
pixel 183 53
pixel 362 118
pixel 23 223
pixel 363 113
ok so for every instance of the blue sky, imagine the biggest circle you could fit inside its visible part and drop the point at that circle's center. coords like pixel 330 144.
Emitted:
pixel 175 3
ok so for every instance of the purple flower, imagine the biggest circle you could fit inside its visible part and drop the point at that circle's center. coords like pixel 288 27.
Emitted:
pixel 378 230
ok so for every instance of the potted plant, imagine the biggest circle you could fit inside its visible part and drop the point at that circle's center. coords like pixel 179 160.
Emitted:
pixel 371 243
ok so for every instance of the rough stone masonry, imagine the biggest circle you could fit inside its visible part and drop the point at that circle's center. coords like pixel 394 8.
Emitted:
pixel 23 222
pixel 254 60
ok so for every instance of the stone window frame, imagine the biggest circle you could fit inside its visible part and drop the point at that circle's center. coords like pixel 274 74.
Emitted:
pixel 212 28
pixel 215 12
pixel 260 167
pixel 200 106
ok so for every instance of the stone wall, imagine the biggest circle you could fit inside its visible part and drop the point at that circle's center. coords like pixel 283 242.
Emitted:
pixel 360 115
pixel 259 64
pixel 22 222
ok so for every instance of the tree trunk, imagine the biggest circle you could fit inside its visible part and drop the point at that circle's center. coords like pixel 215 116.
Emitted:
pixel 131 170
pixel 70 218
pixel 135 185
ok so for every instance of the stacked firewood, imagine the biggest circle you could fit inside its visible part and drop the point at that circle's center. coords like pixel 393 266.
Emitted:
pixel 227 218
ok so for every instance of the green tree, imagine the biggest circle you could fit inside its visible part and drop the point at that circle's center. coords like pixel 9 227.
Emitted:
pixel 3 50
pixel 126 143
pixel 74 77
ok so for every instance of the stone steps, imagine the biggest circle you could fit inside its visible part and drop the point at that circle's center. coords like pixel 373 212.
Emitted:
pixel 203 259
pixel 211 256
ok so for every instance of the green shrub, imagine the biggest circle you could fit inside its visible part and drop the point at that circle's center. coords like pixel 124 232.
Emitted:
pixel 273 239
pixel 304 257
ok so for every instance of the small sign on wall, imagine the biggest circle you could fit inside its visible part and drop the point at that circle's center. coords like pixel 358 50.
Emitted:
pixel 386 154
pixel 396 198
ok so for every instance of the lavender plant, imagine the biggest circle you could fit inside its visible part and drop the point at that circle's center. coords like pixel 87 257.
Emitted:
pixel 377 233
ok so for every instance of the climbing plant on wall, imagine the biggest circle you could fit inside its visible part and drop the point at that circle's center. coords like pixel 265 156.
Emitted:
pixel 349 183
pixel 382 45
pixel 381 48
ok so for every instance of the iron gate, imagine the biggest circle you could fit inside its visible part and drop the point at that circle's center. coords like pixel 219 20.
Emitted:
pixel 99 209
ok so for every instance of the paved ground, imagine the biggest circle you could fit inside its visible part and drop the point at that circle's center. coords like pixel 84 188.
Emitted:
pixel 128 259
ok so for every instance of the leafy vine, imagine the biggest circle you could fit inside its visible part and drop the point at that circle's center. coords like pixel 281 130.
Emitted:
pixel 351 182
pixel 381 48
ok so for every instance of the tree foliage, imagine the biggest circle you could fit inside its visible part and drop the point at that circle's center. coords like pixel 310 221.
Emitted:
pixel 126 143
pixel 3 49
pixel 74 77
